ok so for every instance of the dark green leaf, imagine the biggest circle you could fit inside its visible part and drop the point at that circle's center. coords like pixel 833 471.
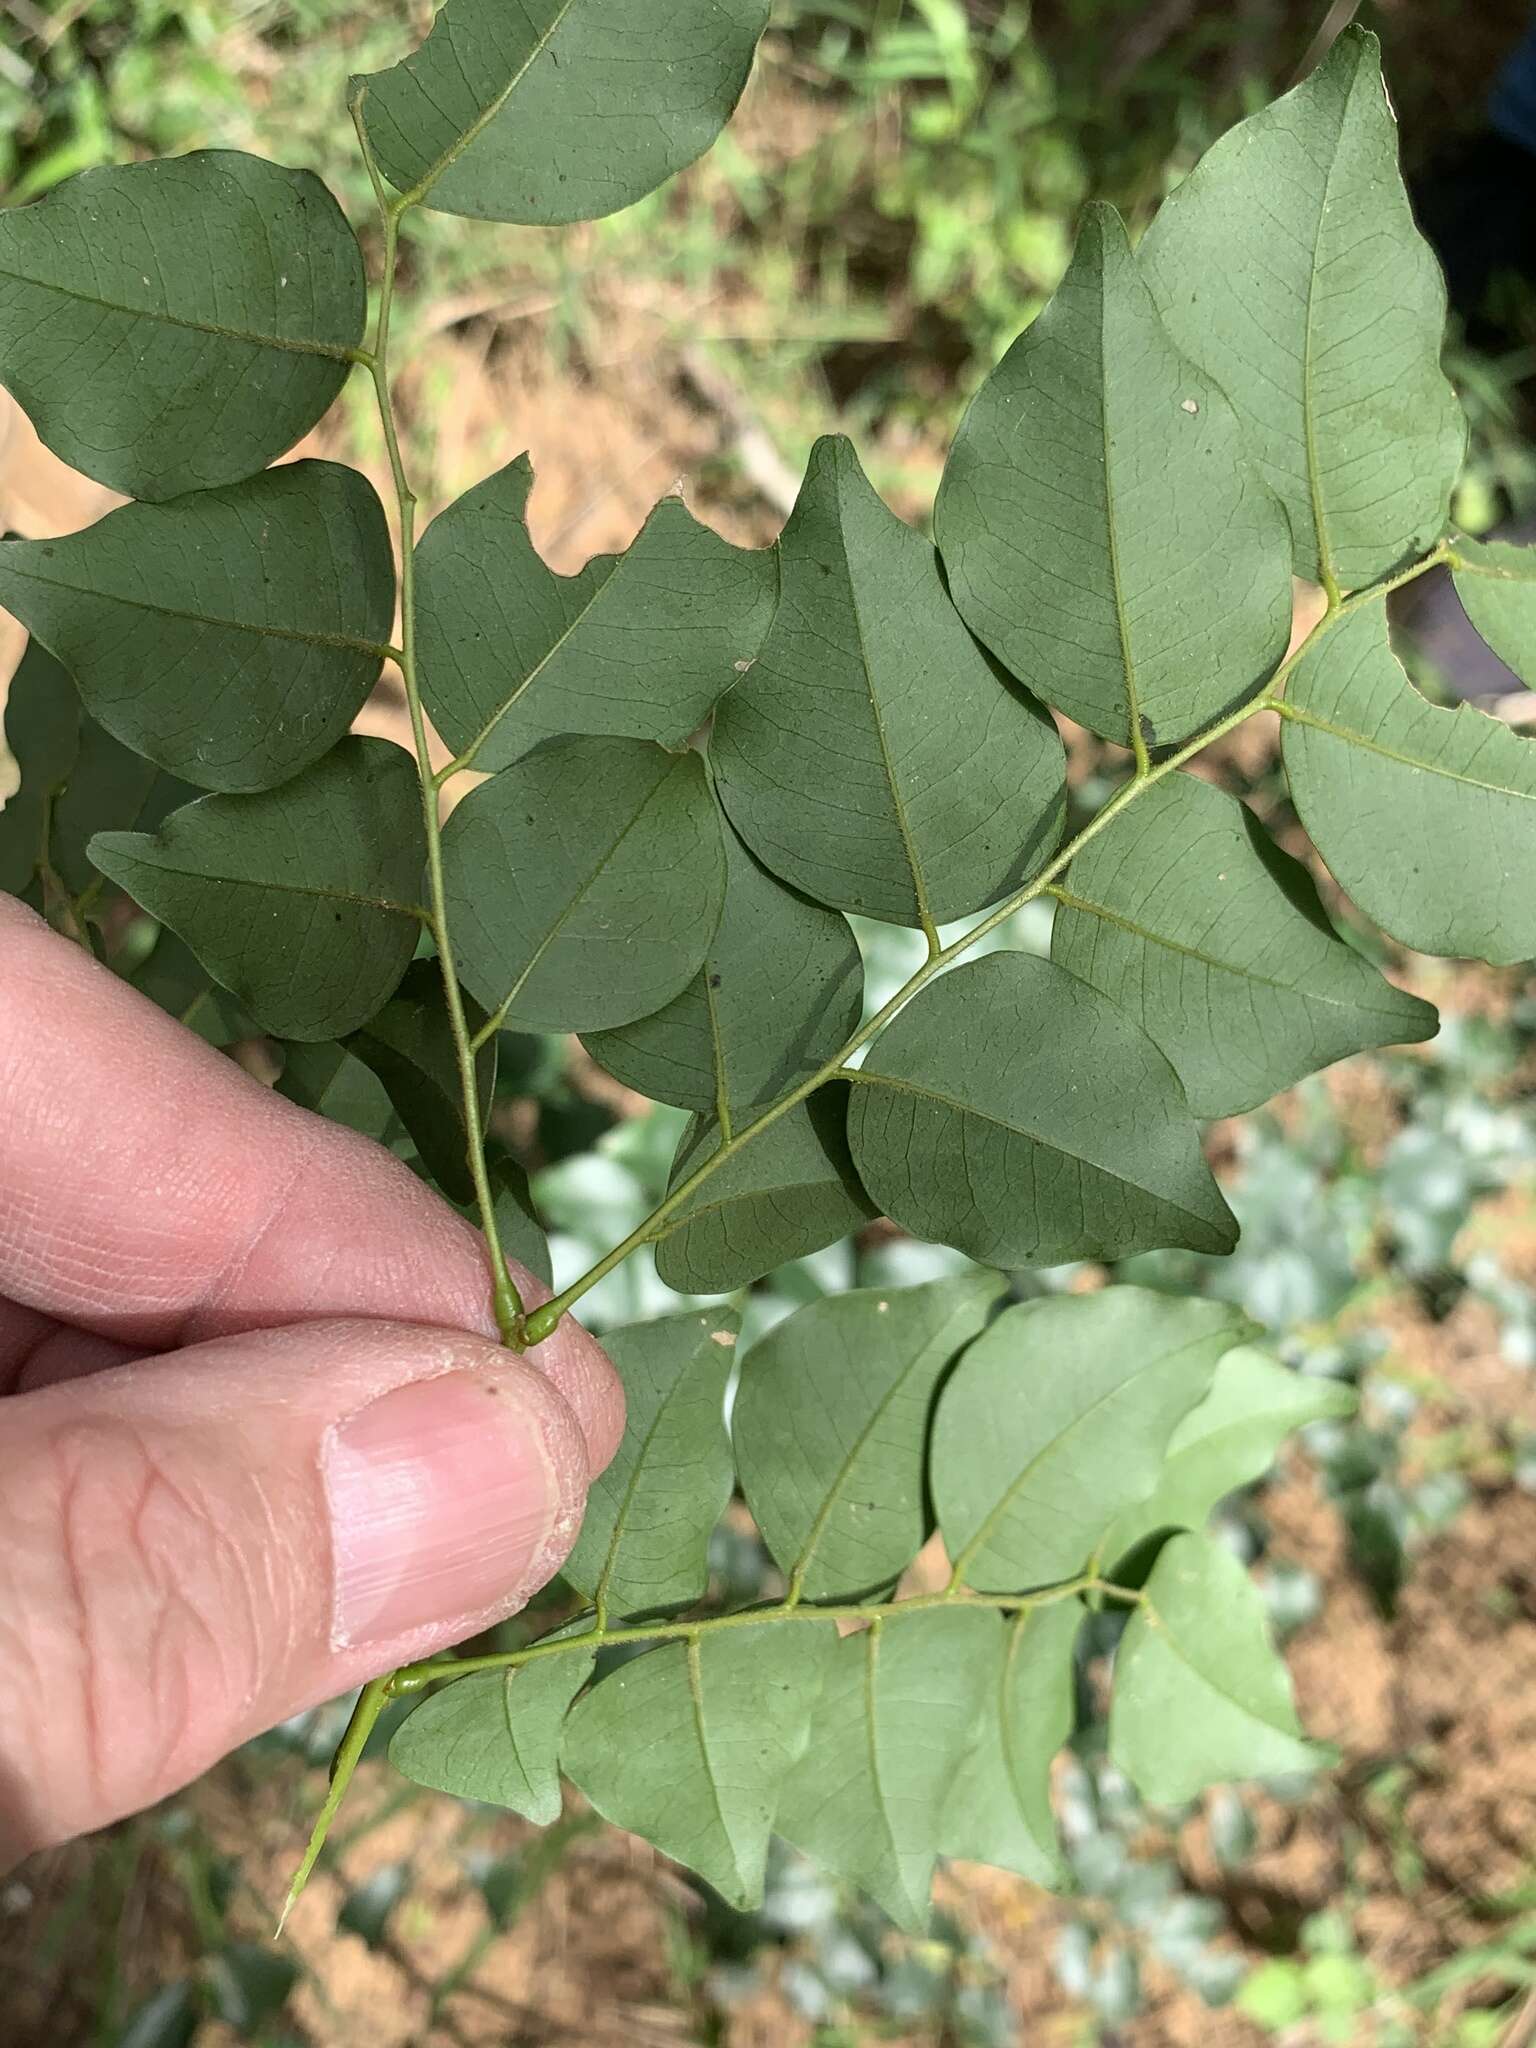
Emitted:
pixel 367 1907
pixel 1192 921
pixel 331 1082
pixel 1013 1112
pixel 174 326
pixel 168 2019
pixel 173 980
pixel 304 901
pixel 1497 584
pixel 638 645
pixel 873 757
pixel 233 635
pixel 584 883
pixel 558 110
pixel 1288 267
pixel 1426 817
pixel 831 1428
pixel 251 1983
pixel 517 1219
pixel 409 1045
pixel 42 732
pixel 1055 526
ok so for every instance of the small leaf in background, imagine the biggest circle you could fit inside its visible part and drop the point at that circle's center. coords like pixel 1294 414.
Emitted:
pixel 1014 1113
pixel 175 983
pixel 788 1192
pixel 549 113
pixel 584 883
pixel 689 1745
pixel 831 1425
pixel 174 326
pixel 1058 1418
pixel 1200 1695
pixel 1288 266
pixel 367 1907
pixel 645 1541
pixel 1053 518
pixel 168 2019
pixel 1426 817
pixel 1496 583
pixel 334 1083
pixel 779 993
pixel 638 645
pixel 305 901
pixel 232 635
pixel 250 1982
pixel 1192 921
pixel 409 1045
pixel 873 757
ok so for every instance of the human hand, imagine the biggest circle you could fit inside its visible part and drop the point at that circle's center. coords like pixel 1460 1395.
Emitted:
pixel 257 1440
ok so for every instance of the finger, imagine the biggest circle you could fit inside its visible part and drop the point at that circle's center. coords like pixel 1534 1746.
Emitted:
pixel 196 1546
pixel 153 1192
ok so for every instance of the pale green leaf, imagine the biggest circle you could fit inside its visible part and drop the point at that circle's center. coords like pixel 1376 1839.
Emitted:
pixel 409 1044
pixel 873 757
pixel 174 326
pixel 1192 921
pixel 1496 582
pixel 1013 1112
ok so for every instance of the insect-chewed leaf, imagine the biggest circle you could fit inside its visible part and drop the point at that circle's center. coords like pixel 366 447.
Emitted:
pixel 781 989
pixel 638 645
pixel 690 1745
pixel 495 1736
pixel 1101 529
pixel 230 635
pixel 873 756
pixel 1427 817
pixel 1496 582
pixel 1013 1112
pixel 409 1045
pixel 334 1084
pixel 1058 1418
pixel 584 883
pixel 1192 921
pixel 174 326
pixel 1288 267
pixel 898 1708
pixel 1230 1440
pixel 786 1193
pixel 645 1541
pixel 831 1428
pixel 999 1810
pixel 1200 1695
pixel 305 901
pixel 558 110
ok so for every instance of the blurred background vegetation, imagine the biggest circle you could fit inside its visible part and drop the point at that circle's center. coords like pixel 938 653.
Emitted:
pixel 897 198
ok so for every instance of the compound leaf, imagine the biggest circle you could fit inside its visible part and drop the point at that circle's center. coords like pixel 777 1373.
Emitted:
pixel 304 901
pixel 1288 267
pixel 1192 921
pixel 174 326
pixel 1496 583
pixel 873 757
pixel 638 645
pixel 231 635
pixel 1101 529
pixel 409 1045
pixel 1013 1112
pixel 831 1428
pixel 1427 817
pixel 558 110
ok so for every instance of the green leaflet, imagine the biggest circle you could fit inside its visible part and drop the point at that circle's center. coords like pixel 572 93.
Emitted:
pixel 175 326
pixel 780 991
pixel 1011 1111
pixel 873 757
pixel 689 1746
pixel 1057 1420
pixel 409 1045
pixel 786 1193
pixel 638 645
pixel 333 1083
pixel 517 1220
pixel 558 110
pixel 999 1809
pixel 1426 817
pixel 1288 266
pixel 173 980
pixel 231 635
pixel 831 1428
pixel 1230 1440
pixel 1055 526
pixel 1496 582
pixel 645 1541
pixel 898 1706
pixel 1192 921
pixel 584 883
pixel 1200 1695
pixel 305 901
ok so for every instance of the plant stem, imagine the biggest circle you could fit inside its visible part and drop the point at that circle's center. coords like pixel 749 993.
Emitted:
pixel 371 1702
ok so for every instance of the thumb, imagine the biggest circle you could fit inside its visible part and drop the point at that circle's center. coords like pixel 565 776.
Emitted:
pixel 196 1546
